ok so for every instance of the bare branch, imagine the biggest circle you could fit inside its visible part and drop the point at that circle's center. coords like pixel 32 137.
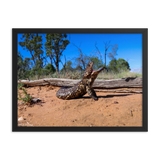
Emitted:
pixel 75 45
pixel 82 58
pixel 113 52
pixel 92 53
pixel 97 48
pixel 107 45
pixel 99 53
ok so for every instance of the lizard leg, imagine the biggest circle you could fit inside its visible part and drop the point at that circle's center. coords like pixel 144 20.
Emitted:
pixel 91 93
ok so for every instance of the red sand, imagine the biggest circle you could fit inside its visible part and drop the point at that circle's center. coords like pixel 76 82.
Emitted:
pixel 112 109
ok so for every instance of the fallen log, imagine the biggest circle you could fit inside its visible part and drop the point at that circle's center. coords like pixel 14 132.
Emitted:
pixel 119 91
pixel 129 82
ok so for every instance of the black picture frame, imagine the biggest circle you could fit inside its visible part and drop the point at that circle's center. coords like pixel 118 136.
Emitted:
pixel 143 31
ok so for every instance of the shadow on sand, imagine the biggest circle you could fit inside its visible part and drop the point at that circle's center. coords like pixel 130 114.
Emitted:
pixel 107 96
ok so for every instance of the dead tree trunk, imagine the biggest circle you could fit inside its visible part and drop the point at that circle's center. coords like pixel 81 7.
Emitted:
pixel 98 84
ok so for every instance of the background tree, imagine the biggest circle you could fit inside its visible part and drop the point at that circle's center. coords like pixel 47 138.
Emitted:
pixel 33 43
pixel 113 65
pixel 107 46
pixel 38 50
pixel 113 52
pixel 122 64
pixel 98 53
pixel 118 65
pixel 49 46
pixel 82 60
pixel 23 66
pixel 19 65
pixel 78 68
pixel 97 62
pixel 49 69
pixel 64 65
pixel 55 45
pixel 68 67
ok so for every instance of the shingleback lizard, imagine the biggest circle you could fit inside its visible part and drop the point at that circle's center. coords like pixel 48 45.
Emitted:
pixel 82 87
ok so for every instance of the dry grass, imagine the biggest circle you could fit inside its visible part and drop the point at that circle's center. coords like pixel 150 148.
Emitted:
pixel 78 75
pixel 123 74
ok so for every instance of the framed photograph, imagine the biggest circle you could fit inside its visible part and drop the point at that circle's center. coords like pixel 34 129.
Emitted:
pixel 80 79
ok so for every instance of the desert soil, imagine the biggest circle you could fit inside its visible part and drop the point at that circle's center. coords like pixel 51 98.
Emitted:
pixel 112 109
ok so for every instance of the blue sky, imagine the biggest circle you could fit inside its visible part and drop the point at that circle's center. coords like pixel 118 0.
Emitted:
pixel 129 47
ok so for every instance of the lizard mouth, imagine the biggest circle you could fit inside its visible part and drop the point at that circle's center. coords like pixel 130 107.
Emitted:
pixel 93 71
pixel 98 71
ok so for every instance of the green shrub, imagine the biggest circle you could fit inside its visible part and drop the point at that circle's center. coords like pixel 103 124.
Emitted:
pixel 27 98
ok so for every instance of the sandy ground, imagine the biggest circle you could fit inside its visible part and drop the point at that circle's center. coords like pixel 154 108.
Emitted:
pixel 112 109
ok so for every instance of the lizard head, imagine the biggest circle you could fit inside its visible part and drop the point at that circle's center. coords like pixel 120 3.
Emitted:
pixel 94 73
pixel 88 71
